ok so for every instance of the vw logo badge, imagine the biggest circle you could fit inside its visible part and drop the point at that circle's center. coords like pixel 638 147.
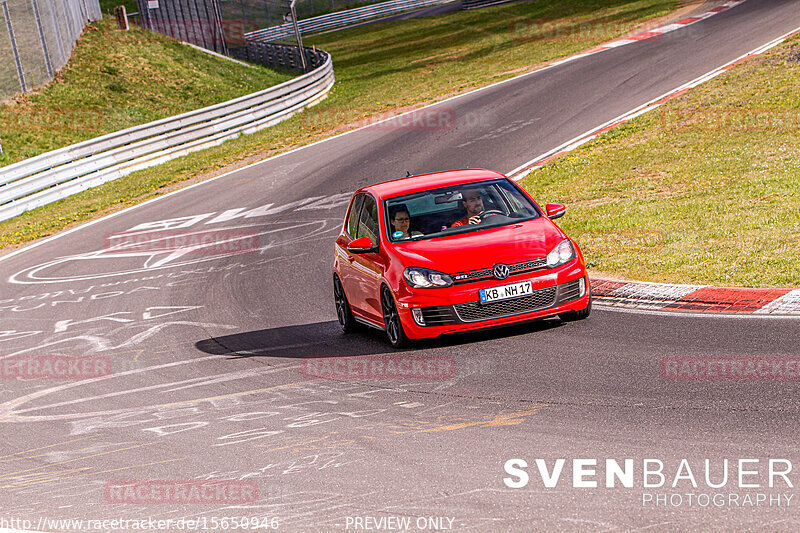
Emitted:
pixel 500 271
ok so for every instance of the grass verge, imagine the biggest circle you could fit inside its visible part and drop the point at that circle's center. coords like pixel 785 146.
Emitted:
pixel 118 79
pixel 706 189
pixel 379 69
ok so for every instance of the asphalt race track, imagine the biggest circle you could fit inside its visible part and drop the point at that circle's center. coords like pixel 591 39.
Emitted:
pixel 215 355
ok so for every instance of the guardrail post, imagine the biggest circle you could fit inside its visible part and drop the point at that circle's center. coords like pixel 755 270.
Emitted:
pixel 122 18
pixel 263 55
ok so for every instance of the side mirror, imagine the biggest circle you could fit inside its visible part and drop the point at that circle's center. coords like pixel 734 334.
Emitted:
pixel 362 245
pixel 555 211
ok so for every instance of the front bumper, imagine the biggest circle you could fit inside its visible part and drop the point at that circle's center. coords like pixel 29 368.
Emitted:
pixel 459 310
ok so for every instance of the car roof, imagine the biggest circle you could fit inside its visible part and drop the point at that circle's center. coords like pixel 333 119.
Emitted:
pixel 423 182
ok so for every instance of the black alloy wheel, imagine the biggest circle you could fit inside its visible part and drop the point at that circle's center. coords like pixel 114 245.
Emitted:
pixel 343 311
pixel 391 319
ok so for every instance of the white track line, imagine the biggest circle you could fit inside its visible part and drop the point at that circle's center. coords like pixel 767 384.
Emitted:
pixel 736 316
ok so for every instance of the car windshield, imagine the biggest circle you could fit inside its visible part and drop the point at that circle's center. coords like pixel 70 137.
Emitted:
pixel 457 209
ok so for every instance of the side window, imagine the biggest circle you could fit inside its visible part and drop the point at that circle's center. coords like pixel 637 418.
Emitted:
pixel 516 205
pixel 519 204
pixel 492 200
pixel 368 225
pixel 352 219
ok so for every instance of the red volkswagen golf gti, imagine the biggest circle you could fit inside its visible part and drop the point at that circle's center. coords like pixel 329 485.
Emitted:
pixel 453 251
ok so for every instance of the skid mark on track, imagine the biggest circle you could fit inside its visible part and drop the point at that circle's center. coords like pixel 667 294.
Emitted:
pixel 17 473
pixel 12 456
pixel 297 444
pixel 62 476
pixel 508 419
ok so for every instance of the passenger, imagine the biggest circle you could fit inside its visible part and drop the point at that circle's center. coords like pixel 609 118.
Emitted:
pixel 401 223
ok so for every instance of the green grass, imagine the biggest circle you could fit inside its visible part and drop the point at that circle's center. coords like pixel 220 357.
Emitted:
pixel 379 69
pixel 117 79
pixel 706 189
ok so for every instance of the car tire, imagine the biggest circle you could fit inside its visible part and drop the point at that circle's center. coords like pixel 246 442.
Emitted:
pixel 391 320
pixel 572 316
pixel 343 311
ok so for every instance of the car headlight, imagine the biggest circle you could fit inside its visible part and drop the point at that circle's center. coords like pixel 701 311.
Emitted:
pixel 564 252
pixel 423 278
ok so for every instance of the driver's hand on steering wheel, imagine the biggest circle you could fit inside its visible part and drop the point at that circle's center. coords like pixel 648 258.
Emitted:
pixel 477 219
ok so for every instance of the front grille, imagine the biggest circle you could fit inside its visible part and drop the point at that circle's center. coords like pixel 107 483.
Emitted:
pixel 516 268
pixel 439 316
pixel 475 311
pixel 472 276
pixel 528 265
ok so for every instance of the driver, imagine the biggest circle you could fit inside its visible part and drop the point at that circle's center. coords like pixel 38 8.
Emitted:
pixel 473 203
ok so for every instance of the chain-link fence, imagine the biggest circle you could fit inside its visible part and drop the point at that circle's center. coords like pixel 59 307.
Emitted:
pixel 220 25
pixel 194 21
pixel 37 38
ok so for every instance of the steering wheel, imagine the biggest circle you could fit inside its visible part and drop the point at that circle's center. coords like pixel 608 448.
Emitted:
pixel 482 214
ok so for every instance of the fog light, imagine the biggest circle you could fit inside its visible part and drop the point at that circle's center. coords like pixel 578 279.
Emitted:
pixel 416 312
pixel 582 287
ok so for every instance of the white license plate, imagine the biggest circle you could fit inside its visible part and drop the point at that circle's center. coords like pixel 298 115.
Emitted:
pixel 504 292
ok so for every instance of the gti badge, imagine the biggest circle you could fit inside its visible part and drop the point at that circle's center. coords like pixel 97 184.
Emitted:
pixel 500 271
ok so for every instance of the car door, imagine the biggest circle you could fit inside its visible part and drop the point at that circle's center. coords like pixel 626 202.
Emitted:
pixel 347 273
pixel 368 268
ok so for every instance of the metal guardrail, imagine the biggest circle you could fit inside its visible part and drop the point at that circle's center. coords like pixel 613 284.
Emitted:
pixel 476 4
pixel 340 19
pixel 55 175
pixel 277 55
